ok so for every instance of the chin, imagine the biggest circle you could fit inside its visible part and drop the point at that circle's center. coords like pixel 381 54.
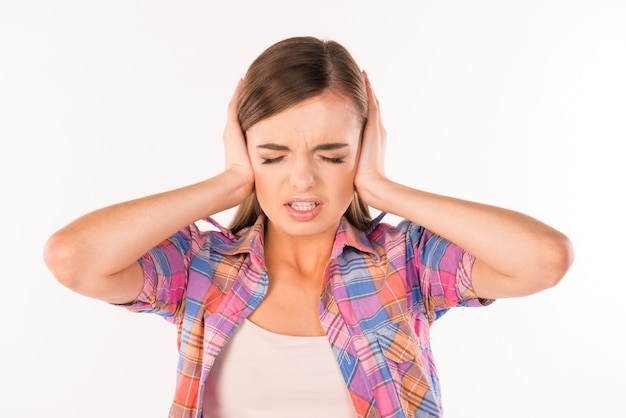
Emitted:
pixel 305 228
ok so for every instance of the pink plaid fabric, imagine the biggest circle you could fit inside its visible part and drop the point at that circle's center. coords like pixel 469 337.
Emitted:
pixel 382 291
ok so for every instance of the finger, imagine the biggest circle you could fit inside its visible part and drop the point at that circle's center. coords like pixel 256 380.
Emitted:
pixel 232 119
pixel 234 102
pixel 373 104
pixel 371 96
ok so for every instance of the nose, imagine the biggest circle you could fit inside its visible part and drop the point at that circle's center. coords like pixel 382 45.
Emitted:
pixel 302 176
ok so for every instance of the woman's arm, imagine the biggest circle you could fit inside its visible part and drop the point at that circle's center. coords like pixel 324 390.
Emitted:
pixel 96 255
pixel 516 255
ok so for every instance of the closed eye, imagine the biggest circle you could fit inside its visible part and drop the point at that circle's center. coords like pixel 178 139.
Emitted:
pixel 271 160
pixel 333 160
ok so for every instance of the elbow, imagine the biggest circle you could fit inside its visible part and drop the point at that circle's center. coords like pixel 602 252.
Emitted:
pixel 542 265
pixel 59 257
pixel 558 256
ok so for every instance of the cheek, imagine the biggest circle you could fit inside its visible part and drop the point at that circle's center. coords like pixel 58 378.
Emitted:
pixel 260 179
pixel 344 181
pixel 351 164
pixel 263 191
pixel 267 183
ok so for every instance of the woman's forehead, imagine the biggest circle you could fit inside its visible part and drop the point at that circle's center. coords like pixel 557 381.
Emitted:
pixel 326 117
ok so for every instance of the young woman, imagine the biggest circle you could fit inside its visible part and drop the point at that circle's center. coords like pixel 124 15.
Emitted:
pixel 305 306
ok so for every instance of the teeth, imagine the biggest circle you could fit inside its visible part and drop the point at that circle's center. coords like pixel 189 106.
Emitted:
pixel 303 206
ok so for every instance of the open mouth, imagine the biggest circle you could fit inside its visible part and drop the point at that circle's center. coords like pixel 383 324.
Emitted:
pixel 303 206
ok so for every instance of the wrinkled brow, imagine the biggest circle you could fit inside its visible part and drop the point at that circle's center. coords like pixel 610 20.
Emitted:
pixel 321 147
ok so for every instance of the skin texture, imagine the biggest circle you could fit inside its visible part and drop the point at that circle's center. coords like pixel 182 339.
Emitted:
pixel 96 255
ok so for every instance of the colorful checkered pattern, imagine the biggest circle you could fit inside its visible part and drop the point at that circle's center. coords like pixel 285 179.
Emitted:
pixel 382 291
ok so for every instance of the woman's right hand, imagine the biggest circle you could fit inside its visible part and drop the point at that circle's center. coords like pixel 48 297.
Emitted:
pixel 237 159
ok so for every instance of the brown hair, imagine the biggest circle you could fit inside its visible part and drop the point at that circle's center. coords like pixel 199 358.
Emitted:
pixel 287 73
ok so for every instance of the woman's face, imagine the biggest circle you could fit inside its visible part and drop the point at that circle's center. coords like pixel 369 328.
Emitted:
pixel 304 160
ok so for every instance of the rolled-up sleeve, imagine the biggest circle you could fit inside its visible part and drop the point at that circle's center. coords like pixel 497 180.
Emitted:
pixel 442 275
pixel 165 272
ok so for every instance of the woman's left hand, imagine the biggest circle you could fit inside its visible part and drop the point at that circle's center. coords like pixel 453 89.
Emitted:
pixel 370 172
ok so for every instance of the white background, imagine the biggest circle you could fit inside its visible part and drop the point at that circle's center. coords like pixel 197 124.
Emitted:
pixel 519 104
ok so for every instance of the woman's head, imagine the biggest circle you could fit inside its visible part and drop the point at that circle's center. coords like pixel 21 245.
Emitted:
pixel 291 72
pixel 294 70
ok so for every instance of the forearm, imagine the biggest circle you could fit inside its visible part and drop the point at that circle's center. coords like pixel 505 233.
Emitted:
pixel 107 241
pixel 509 244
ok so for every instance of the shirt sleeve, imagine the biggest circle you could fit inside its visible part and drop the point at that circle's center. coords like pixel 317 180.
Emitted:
pixel 439 273
pixel 165 272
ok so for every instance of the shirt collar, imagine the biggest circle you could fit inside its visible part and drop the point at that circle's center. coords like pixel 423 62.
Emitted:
pixel 350 236
pixel 248 240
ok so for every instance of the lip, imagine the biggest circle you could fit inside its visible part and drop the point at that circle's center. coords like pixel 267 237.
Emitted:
pixel 303 215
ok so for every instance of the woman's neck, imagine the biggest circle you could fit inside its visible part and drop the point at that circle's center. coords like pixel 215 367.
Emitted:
pixel 307 254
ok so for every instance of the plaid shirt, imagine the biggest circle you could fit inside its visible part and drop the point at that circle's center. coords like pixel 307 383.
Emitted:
pixel 382 291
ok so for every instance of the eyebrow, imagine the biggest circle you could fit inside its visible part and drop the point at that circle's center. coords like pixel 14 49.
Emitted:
pixel 321 147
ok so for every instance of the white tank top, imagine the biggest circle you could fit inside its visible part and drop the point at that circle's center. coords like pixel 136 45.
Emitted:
pixel 262 374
